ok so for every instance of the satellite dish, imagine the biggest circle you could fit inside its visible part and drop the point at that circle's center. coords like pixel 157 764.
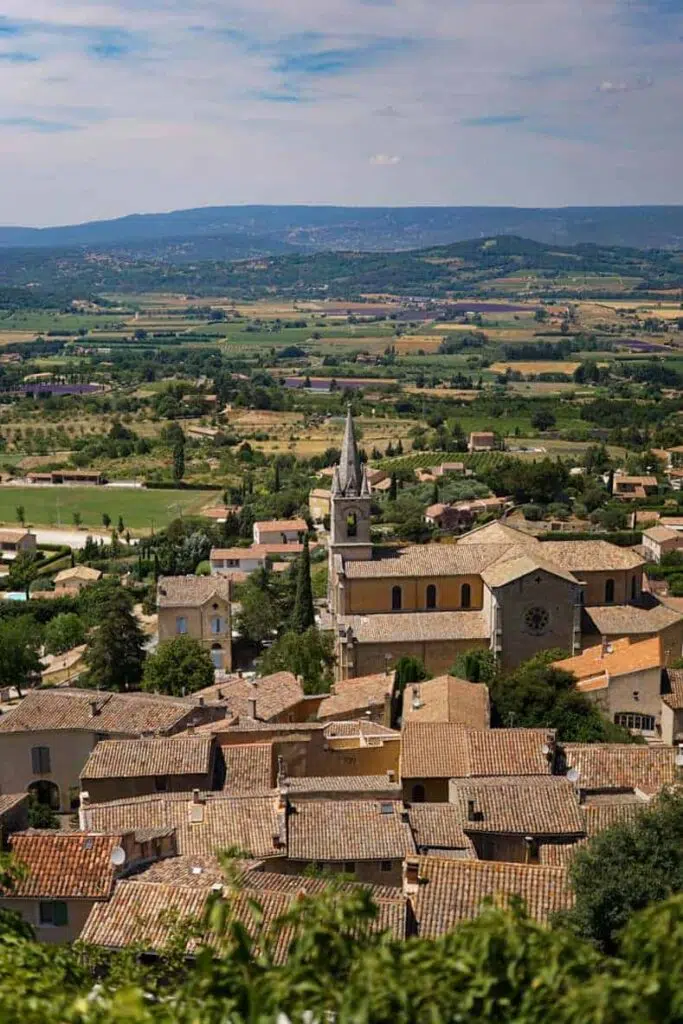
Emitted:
pixel 573 774
pixel 118 856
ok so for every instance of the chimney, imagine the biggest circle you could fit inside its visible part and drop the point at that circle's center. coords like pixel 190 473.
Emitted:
pixel 251 705
pixel 219 694
pixel 391 775
pixel 471 811
pixel 94 709
pixel 300 681
pixel 201 701
pixel 84 815
pixel 195 797
pixel 411 876
pixel 190 730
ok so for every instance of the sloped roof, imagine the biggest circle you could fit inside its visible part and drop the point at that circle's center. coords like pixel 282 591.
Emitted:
pixel 620 765
pixel 417 626
pixel 9 801
pixel 619 658
pixel 661 533
pixel 674 699
pixel 161 755
pixel 444 750
pixel 439 826
pixel 64 865
pixel 248 767
pixel 96 711
pixel 282 525
pixel 341 784
pixel 220 821
pixel 427 560
pixel 579 556
pixel 626 619
pixel 348 830
pixel 504 572
pixel 537 806
pixel 447 699
pixel 451 891
pixel 78 572
pixel 356 694
pixel 273 694
pixel 191 591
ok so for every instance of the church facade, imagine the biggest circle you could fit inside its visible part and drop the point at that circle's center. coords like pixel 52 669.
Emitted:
pixel 495 588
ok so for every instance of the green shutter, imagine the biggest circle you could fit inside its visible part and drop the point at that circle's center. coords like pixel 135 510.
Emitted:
pixel 60 913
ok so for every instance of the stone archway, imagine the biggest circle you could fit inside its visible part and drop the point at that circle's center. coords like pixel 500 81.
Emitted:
pixel 46 793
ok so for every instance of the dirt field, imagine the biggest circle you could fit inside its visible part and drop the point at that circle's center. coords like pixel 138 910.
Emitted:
pixel 542 366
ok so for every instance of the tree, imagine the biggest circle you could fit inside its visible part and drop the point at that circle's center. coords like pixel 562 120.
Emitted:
pixel 303 615
pixel 41 815
pixel 537 695
pixel 180 666
pixel 115 654
pixel 179 461
pixel 478 666
pixel 543 419
pixel 408 670
pixel 95 600
pixel 23 570
pixel 21 514
pixel 260 615
pixel 106 520
pixel 393 488
pixel 77 518
pixel 626 868
pixel 19 662
pixel 64 632
pixel 309 655
pixel 120 526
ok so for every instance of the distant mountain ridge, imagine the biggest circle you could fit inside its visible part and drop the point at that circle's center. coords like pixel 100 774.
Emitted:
pixel 233 232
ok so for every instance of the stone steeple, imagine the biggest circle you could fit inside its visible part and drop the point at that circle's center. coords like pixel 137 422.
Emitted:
pixel 349 478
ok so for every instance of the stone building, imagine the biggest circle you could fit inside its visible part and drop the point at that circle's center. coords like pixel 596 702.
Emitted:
pixel 197 606
pixel 496 588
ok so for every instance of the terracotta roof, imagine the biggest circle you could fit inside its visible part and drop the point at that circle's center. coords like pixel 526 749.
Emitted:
pixel 674 699
pixel 9 801
pixel 348 830
pixel 417 626
pixel 162 755
pixel 618 658
pixel 644 481
pixel 579 556
pixel 543 806
pixel 259 551
pixel 248 767
pixel 628 619
pixel 661 533
pixel 598 817
pixel 194 871
pixel 124 713
pixel 78 572
pixel 342 784
pixel 274 695
pixel 13 536
pixel 447 699
pixel 507 571
pixel 282 525
pixel 191 591
pixel 217 823
pixel 73 865
pixel 358 728
pixel 444 750
pixel 620 765
pixel 437 826
pixel 138 911
pixel 559 855
pixel 356 694
pixel 451 891
pixel 427 560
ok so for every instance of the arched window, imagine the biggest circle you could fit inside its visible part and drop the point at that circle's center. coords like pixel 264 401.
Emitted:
pixel 351 525
pixel 633 588
pixel 396 599
pixel 46 793
pixel 431 596
pixel 465 596
pixel 609 591
pixel 181 625
pixel 217 624
pixel 418 794
pixel 217 656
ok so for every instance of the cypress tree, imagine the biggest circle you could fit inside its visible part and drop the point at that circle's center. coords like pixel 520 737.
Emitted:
pixel 393 488
pixel 303 615
pixel 179 461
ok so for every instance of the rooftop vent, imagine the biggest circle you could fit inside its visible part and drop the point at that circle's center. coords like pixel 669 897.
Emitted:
pixel 386 808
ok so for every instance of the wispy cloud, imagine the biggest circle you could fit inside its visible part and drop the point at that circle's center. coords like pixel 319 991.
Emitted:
pixel 18 57
pixel 635 85
pixel 492 120
pixel 384 160
pixel 37 124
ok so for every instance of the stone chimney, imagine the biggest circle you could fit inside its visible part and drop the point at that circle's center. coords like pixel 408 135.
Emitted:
pixel 200 700
pixel 471 810
pixel 411 876
pixel 84 813
pixel 251 707
pixel 391 775
pixel 94 709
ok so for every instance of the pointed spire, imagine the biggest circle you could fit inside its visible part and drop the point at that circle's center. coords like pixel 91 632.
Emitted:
pixel 365 490
pixel 349 463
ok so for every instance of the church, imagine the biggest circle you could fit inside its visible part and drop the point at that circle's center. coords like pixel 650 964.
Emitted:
pixel 496 588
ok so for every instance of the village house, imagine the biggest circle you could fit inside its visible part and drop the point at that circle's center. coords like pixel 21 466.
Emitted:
pixel 618 771
pixel 229 561
pixel 368 697
pixel 14 541
pixel 625 680
pixel 197 606
pixel 481 441
pixel 659 541
pixel 71 581
pixel 319 504
pixel 672 706
pixel 63 669
pixel 280 531
pixel 13 816
pixel 117 769
pixel 447 699
pixel 274 698
pixel 46 739
pixel 496 588
pixel 65 874
pixel 632 488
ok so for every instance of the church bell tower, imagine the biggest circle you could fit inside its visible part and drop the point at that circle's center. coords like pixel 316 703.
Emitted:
pixel 350 504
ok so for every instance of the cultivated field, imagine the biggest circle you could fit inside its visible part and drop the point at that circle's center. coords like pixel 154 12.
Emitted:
pixel 536 367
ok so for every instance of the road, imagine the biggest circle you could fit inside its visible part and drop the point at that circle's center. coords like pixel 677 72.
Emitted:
pixel 74 538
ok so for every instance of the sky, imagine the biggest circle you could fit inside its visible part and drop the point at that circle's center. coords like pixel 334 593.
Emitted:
pixel 127 106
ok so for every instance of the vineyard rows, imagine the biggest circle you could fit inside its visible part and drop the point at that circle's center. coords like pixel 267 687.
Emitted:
pixel 479 462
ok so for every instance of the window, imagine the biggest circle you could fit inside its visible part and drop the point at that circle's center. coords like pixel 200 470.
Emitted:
pixel 431 596
pixel 349 867
pixel 40 760
pixel 418 794
pixel 53 912
pixel 232 563
pixel 351 525
pixel 181 624
pixel 633 588
pixel 160 783
pixel 637 723
pixel 217 656
pixel 217 624
pixel 385 865
pixel 609 591
pixel 465 596
pixel 396 599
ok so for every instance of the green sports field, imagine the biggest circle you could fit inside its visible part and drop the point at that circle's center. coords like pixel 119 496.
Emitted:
pixel 141 509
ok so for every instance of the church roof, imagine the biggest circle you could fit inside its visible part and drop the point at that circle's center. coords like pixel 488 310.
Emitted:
pixel 504 572
pixel 349 479
pixel 427 560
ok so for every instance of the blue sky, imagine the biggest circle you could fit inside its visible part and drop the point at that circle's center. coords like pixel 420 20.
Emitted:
pixel 121 106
